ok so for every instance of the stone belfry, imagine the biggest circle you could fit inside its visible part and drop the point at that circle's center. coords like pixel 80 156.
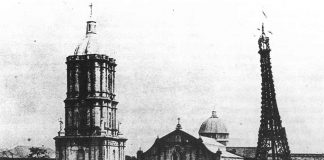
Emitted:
pixel 272 141
pixel 91 131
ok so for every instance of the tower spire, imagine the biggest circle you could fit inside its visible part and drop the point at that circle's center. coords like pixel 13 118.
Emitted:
pixel 272 140
pixel 263 41
pixel 90 9
pixel 91 23
pixel 178 125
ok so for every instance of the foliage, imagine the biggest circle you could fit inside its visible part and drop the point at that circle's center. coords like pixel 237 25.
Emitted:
pixel 130 157
pixel 7 154
pixel 36 152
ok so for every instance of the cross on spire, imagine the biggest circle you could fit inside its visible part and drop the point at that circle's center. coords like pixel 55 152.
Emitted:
pixel 90 9
pixel 178 125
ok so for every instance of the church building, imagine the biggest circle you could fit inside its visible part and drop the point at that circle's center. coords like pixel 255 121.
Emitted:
pixel 91 131
pixel 179 145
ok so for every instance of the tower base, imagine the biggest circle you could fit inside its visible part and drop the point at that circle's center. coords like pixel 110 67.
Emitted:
pixel 89 148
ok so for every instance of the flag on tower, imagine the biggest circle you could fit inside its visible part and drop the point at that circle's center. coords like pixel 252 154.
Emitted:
pixel 264 14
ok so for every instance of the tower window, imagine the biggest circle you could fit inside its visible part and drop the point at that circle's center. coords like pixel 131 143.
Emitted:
pixel 89 27
pixel 110 119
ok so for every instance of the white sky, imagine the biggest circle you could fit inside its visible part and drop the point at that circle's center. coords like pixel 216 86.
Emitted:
pixel 175 59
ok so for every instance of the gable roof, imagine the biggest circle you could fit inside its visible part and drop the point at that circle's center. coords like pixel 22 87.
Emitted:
pixel 210 144
pixel 165 138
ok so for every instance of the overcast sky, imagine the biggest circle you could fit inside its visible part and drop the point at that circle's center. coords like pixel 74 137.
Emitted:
pixel 176 58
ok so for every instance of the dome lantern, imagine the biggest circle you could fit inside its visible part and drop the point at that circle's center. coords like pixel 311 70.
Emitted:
pixel 89 45
pixel 91 24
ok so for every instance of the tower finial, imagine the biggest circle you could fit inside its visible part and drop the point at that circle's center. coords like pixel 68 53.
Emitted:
pixel 61 124
pixel 178 125
pixel 262 28
pixel 91 23
pixel 263 40
pixel 90 9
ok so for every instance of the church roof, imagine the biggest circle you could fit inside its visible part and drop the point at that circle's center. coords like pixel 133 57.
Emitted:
pixel 209 143
pixel 89 45
pixel 213 125
pixel 212 145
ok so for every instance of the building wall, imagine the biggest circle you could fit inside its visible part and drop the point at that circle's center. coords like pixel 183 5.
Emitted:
pixel 178 145
pixel 249 153
pixel 307 156
pixel 90 106
pixel 89 149
pixel 179 153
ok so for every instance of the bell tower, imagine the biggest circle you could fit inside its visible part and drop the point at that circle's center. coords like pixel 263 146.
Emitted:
pixel 91 131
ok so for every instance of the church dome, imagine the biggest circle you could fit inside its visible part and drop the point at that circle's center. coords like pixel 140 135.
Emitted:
pixel 89 44
pixel 213 125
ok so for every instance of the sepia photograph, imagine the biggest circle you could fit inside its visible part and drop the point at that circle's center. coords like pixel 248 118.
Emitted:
pixel 161 80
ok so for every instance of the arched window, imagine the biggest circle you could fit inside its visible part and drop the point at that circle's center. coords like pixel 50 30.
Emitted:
pixel 80 154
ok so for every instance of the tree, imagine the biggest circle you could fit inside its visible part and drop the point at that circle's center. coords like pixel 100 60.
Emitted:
pixel 36 152
pixel 130 157
pixel 5 153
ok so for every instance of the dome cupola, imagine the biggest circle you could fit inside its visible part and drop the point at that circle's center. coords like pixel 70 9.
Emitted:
pixel 213 127
pixel 89 44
